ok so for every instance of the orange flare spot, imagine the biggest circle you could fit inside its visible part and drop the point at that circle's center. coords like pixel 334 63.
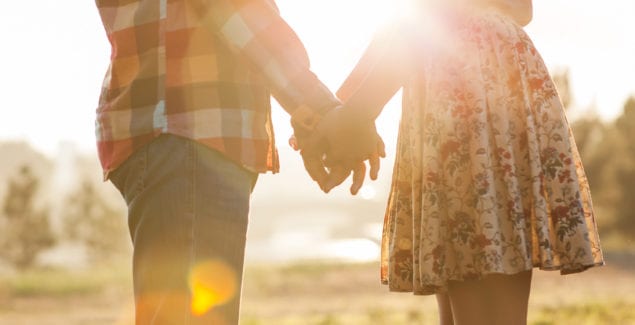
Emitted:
pixel 212 283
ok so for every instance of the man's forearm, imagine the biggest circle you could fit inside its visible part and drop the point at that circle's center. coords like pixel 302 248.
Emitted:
pixel 254 30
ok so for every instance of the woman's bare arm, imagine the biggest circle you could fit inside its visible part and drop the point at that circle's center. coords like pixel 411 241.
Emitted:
pixel 378 75
pixel 520 10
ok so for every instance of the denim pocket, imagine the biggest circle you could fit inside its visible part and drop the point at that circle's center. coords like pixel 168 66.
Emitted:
pixel 129 177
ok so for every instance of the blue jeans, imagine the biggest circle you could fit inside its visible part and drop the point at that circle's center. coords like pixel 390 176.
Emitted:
pixel 187 214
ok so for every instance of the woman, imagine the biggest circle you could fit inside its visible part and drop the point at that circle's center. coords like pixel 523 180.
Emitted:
pixel 487 183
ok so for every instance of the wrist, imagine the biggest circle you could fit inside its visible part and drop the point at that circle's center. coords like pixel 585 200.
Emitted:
pixel 353 115
pixel 304 120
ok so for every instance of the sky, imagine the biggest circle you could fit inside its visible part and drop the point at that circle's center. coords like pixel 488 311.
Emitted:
pixel 55 53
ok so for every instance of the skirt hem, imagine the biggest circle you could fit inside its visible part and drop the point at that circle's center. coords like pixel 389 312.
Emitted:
pixel 433 289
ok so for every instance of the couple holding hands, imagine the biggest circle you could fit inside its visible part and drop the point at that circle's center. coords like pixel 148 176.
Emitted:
pixel 487 183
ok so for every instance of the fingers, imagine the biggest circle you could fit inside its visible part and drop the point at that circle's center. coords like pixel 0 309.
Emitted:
pixel 341 169
pixel 293 142
pixel 336 176
pixel 381 147
pixel 315 168
pixel 312 149
pixel 330 154
pixel 374 163
pixel 358 177
pixel 374 159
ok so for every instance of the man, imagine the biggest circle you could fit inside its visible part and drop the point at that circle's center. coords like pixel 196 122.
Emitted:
pixel 183 127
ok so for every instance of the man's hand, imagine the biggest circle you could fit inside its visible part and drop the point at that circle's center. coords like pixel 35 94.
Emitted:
pixel 312 151
pixel 338 173
pixel 337 148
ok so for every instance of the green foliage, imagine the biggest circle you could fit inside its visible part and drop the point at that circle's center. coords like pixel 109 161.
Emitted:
pixel 597 303
pixel 51 284
pixel 608 155
pixel 26 231
pixel 625 169
pixel 588 313
pixel 58 282
pixel 589 133
pixel 93 222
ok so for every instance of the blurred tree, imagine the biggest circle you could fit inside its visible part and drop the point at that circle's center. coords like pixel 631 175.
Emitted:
pixel 590 133
pixel 562 81
pixel 27 230
pixel 91 221
pixel 626 123
pixel 625 171
pixel 601 149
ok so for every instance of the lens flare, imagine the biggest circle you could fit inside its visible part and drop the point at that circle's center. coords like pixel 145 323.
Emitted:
pixel 212 283
pixel 368 192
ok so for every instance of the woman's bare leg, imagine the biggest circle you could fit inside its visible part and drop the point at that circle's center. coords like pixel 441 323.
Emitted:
pixel 445 309
pixel 495 299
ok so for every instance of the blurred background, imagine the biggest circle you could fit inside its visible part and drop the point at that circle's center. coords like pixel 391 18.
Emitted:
pixel 311 258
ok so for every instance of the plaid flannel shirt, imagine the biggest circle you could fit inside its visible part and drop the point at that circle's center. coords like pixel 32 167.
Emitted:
pixel 201 69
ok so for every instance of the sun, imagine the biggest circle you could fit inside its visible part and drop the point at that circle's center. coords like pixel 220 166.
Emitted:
pixel 335 34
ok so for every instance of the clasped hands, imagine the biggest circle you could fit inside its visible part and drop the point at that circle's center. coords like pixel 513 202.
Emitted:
pixel 340 144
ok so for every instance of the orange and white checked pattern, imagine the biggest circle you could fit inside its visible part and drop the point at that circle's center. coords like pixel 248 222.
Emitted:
pixel 204 70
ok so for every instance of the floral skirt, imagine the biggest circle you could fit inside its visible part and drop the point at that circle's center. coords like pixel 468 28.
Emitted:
pixel 487 177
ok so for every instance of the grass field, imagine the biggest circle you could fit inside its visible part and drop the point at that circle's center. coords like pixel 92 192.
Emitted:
pixel 314 293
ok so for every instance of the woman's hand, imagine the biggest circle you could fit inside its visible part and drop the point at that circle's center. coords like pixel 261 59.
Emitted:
pixel 339 145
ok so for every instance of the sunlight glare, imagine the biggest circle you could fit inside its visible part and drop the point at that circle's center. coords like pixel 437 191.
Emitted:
pixel 400 9
pixel 355 250
pixel 367 192
pixel 213 283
